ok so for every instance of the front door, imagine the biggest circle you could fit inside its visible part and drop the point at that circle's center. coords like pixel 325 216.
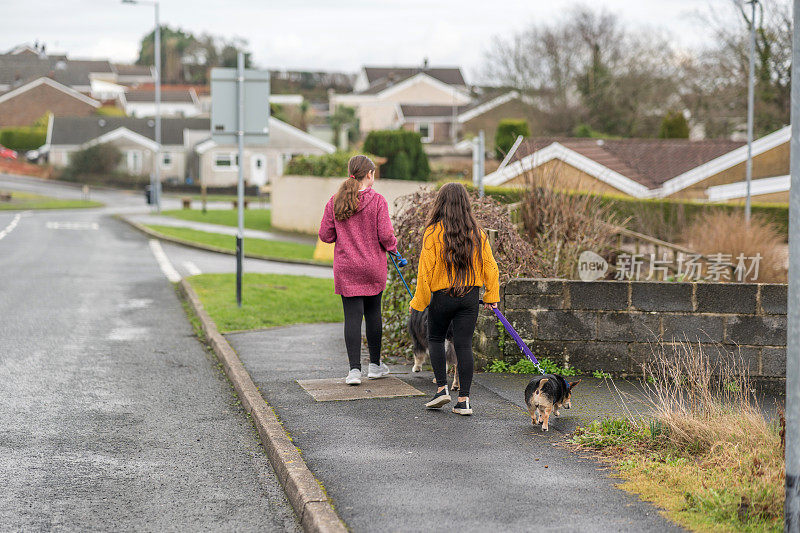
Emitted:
pixel 258 170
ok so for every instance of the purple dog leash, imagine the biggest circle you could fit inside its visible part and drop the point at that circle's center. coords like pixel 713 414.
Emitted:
pixel 520 343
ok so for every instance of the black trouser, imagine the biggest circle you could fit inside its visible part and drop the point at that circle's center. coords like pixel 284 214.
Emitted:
pixel 368 308
pixel 463 313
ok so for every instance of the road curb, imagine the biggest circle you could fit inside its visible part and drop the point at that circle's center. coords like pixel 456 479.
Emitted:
pixel 152 233
pixel 310 503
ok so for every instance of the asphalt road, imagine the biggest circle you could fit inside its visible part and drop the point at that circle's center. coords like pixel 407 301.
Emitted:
pixel 391 465
pixel 114 416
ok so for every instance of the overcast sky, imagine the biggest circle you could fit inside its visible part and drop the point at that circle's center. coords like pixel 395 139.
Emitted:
pixel 326 34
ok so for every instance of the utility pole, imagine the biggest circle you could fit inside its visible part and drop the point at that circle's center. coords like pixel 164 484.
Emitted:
pixel 155 176
pixel 750 105
pixel 481 161
pixel 792 505
pixel 240 184
pixel 158 110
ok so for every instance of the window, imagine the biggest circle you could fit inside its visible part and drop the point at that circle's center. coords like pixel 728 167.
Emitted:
pixel 226 161
pixel 425 130
pixel 166 160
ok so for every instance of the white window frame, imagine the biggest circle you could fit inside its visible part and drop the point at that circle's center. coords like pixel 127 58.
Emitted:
pixel 171 157
pixel 429 138
pixel 234 159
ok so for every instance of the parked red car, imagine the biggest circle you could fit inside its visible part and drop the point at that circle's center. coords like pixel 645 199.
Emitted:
pixel 7 153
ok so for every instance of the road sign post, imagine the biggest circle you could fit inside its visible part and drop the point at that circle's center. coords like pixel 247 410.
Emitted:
pixel 233 91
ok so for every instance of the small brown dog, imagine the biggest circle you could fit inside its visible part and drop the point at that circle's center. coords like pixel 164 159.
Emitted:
pixel 547 394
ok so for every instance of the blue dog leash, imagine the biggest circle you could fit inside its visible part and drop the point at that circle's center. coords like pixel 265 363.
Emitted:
pixel 403 262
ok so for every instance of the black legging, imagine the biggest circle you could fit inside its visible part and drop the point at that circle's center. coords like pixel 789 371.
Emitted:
pixel 463 313
pixel 368 308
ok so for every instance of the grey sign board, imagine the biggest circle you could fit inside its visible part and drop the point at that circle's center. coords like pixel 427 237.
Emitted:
pixel 224 106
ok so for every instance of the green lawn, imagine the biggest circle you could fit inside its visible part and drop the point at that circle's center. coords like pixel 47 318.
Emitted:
pixel 260 219
pixel 268 300
pixel 214 197
pixel 24 200
pixel 262 247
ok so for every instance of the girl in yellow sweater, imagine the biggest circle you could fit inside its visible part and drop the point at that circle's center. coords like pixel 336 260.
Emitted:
pixel 456 260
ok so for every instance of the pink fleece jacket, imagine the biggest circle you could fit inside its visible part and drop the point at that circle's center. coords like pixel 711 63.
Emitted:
pixel 359 256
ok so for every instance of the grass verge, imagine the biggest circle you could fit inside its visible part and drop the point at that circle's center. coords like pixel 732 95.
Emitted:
pixel 213 197
pixel 260 219
pixel 259 247
pixel 268 300
pixel 707 454
pixel 24 200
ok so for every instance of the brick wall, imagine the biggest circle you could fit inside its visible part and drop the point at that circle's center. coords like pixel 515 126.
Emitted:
pixel 611 325
pixel 25 108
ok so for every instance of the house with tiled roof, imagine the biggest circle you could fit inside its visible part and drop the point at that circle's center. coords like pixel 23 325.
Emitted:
pixel 712 170
pixel 187 151
pixel 434 101
pixel 380 91
pixel 178 102
pixel 27 103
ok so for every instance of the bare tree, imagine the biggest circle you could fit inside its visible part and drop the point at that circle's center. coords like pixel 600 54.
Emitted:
pixel 714 82
pixel 588 69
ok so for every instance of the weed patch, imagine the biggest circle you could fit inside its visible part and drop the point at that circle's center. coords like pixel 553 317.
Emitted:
pixel 525 366
pixel 707 454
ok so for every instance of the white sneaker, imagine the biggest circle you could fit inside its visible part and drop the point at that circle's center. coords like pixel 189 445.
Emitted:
pixel 353 377
pixel 377 371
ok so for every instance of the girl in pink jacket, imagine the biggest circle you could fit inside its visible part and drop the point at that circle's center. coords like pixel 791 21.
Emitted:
pixel 357 219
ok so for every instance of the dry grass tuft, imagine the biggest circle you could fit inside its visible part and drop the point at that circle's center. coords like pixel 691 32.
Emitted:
pixel 561 226
pixel 704 402
pixel 726 233
pixel 706 452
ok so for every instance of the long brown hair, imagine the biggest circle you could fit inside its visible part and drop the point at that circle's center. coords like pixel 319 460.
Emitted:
pixel 345 204
pixel 461 234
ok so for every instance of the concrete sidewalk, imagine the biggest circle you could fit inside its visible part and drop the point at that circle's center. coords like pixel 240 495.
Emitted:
pixel 389 464
pixel 225 230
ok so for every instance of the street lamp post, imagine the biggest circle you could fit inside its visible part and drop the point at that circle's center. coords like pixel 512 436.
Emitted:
pixel 750 105
pixel 155 180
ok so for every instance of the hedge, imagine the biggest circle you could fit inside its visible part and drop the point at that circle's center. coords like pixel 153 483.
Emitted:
pixel 405 157
pixel 326 165
pixel 24 138
pixel 673 214
pixel 507 132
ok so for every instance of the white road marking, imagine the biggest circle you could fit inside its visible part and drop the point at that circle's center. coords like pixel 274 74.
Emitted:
pixel 192 269
pixel 11 225
pixel 73 225
pixel 163 262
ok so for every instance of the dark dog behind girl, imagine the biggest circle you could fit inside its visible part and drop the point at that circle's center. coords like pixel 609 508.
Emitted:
pixel 456 261
pixel 357 219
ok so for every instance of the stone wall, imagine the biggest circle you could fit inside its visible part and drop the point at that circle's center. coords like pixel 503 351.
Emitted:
pixel 612 325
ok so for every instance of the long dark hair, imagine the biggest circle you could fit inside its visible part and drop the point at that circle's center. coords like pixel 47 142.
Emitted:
pixel 461 234
pixel 345 204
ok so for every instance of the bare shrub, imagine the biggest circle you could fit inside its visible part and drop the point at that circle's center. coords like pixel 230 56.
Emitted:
pixel 726 233
pixel 560 225
pixel 515 258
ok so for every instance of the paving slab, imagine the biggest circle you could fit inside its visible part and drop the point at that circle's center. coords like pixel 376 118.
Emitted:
pixel 332 389
pixel 388 464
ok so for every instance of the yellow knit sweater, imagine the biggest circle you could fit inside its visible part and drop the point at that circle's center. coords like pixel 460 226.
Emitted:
pixel 432 275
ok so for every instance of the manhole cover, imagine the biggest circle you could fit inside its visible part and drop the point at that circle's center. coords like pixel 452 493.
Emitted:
pixel 325 390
